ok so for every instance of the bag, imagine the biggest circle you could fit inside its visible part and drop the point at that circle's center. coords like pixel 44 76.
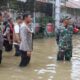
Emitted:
pixel 15 37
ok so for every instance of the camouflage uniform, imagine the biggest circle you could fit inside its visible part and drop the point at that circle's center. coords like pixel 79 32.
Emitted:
pixel 70 29
pixel 64 41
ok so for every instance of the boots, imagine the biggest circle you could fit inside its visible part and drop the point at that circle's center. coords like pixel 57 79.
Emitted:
pixel 28 59
pixel 23 62
pixel 17 51
pixel 24 59
pixel 60 56
pixel 68 55
pixel 0 56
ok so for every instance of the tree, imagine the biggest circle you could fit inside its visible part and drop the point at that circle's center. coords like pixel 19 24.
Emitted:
pixel 5 4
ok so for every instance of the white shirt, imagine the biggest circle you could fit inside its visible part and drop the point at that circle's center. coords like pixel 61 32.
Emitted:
pixel 16 28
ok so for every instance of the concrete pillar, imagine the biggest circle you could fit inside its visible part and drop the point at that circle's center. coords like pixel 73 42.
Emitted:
pixel 57 12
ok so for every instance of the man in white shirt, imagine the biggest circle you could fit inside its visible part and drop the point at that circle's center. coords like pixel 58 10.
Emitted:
pixel 16 35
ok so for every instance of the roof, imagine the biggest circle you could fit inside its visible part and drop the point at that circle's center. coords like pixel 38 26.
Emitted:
pixel 73 4
pixel 69 3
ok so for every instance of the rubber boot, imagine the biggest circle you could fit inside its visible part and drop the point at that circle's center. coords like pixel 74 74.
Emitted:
pixel 17 51
pixel 21 63
pixel 23 59
pixel 28 59
pixel 67 56
pixel 60 56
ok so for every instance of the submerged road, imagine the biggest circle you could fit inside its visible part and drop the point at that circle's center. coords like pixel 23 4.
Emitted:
pixel 43 64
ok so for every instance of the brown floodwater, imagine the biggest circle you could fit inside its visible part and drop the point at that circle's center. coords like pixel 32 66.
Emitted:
pixel 43 64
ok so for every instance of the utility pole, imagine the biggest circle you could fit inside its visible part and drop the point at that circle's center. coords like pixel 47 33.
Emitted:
pixel 8 4
pixel 53 12
pixel 57 12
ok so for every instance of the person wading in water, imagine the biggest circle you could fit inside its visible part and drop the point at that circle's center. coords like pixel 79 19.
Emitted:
pixel 26 44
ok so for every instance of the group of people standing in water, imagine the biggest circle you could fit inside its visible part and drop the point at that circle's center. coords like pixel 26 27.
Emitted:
pixel 20 34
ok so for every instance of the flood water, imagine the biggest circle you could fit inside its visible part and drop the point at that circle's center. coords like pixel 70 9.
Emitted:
pixel 43 64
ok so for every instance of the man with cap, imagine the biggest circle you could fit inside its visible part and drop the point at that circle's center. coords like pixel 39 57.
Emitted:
pixel 64 40
pixel 1 37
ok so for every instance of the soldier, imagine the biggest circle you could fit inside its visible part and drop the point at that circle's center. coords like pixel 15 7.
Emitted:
pixel 64 40
pixel 1 37
pixel 70 29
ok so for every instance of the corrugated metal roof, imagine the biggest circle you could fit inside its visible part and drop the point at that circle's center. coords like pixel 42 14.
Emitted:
pixel 69 3
pixel 73 4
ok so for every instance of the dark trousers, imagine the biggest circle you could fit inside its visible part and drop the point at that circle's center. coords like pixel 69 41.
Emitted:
pixel 0 56
pixel 17 51
pixel 24 59
pixel 67 54
pixel 7 45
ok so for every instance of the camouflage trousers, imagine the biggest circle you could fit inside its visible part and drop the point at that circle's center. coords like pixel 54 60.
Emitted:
pixel 64 55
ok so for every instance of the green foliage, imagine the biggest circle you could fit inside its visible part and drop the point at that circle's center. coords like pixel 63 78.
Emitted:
pixel 44 20
pixel 4 4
